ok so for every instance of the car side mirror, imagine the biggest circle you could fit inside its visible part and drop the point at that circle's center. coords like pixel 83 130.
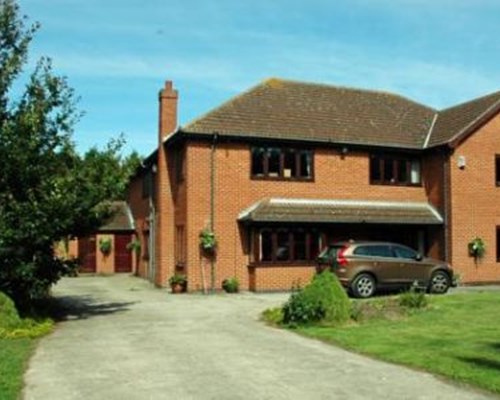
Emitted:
pixel 419 257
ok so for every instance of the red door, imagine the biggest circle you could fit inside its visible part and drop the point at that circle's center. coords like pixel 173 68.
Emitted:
pixel 86 254
pixel 123 256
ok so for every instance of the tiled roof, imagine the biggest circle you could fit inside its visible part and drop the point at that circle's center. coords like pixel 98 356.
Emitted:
pixel 460 120
pixel 341 211
pixel 282 109
pixel 121 220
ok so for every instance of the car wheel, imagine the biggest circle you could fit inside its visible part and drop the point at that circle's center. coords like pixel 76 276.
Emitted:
pixel 440 283
pixel 363 286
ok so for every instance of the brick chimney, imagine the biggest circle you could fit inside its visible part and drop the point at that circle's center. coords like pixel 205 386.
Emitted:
pixel 164 227
pixel 168 98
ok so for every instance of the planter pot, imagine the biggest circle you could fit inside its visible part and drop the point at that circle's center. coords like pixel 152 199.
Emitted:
pixel 178 288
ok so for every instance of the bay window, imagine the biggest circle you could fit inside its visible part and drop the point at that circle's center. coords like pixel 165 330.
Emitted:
pixel 286 245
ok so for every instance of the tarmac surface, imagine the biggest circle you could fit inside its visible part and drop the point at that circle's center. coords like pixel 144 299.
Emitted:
pixel 123 339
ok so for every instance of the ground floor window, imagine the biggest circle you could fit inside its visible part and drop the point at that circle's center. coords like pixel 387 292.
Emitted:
pixel 286 245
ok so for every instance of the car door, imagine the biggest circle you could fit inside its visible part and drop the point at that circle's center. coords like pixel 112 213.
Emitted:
pixel 381 261
pixel 412 267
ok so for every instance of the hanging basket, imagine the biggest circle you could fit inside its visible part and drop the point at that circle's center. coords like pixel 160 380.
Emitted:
pixel 105 246
pixel 477 247
pixel 208 242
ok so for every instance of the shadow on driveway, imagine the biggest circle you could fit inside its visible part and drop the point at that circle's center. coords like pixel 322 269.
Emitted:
pixel 63 308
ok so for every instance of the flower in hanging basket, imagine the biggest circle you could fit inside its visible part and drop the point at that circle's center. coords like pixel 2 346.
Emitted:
pixel 105 245
pixel 208 242
pixel 477 247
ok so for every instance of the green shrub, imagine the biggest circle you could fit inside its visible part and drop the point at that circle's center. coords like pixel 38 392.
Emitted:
pixel 8 313
pixel 324 299
pixel 273 316
pixel 413 298
pixel 356 313
pixel 11 326
pixel 231 285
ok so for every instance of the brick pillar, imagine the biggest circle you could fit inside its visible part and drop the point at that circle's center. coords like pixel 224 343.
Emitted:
pixel 164 252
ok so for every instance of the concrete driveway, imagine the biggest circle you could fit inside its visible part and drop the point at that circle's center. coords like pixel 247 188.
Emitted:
pixel 123 339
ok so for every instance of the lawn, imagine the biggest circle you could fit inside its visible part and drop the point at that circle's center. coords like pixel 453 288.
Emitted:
pixel 17 341
pixel 458 336
pixel 14 355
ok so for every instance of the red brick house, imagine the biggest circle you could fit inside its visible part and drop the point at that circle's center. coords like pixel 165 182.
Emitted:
pixel 285 167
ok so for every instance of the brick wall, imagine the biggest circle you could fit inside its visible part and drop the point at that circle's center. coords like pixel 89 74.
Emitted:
pixel 433 177
pixel 336 176
pixel 475 203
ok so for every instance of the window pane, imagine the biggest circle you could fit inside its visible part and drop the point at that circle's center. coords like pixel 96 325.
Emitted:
pixel 314 245
pixel 415 172
pixel 283 248
pixel 266 246
pixel 402 171
pixel 404 252
pixel 375 169
pixel 305 164
pixel 389 170
pixel 274 162
pixel 258 161
pixel 379 251
pixel 290 168
pixel 299 241
pixel 363 251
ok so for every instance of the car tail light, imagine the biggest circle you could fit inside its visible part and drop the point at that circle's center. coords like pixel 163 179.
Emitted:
pixel 341 260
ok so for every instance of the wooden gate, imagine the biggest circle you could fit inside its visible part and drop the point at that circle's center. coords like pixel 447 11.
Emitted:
pixel 86 254
pixel 123 256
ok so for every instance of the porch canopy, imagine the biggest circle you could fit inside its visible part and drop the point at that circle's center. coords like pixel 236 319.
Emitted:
pixel 341 211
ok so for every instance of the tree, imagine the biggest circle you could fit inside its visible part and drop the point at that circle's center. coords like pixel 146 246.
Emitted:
pixel 47 191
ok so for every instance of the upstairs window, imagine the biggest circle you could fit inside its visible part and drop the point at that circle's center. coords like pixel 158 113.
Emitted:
pixel 497 169
pixel 282 163
pixel 395 170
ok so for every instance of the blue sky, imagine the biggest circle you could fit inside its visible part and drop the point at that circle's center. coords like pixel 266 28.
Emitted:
pixel 117 53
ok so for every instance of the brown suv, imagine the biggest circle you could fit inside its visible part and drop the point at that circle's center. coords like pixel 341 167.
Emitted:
pixel 364 267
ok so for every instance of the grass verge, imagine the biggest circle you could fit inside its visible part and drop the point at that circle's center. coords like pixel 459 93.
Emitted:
pixel 457 336
pixel 18 337
pixel 14 356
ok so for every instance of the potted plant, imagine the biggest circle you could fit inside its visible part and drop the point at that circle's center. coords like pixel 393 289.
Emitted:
pixel 105 245
pixel 477 247
pixel 231 285
pixel 178 282
pixel 208 242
